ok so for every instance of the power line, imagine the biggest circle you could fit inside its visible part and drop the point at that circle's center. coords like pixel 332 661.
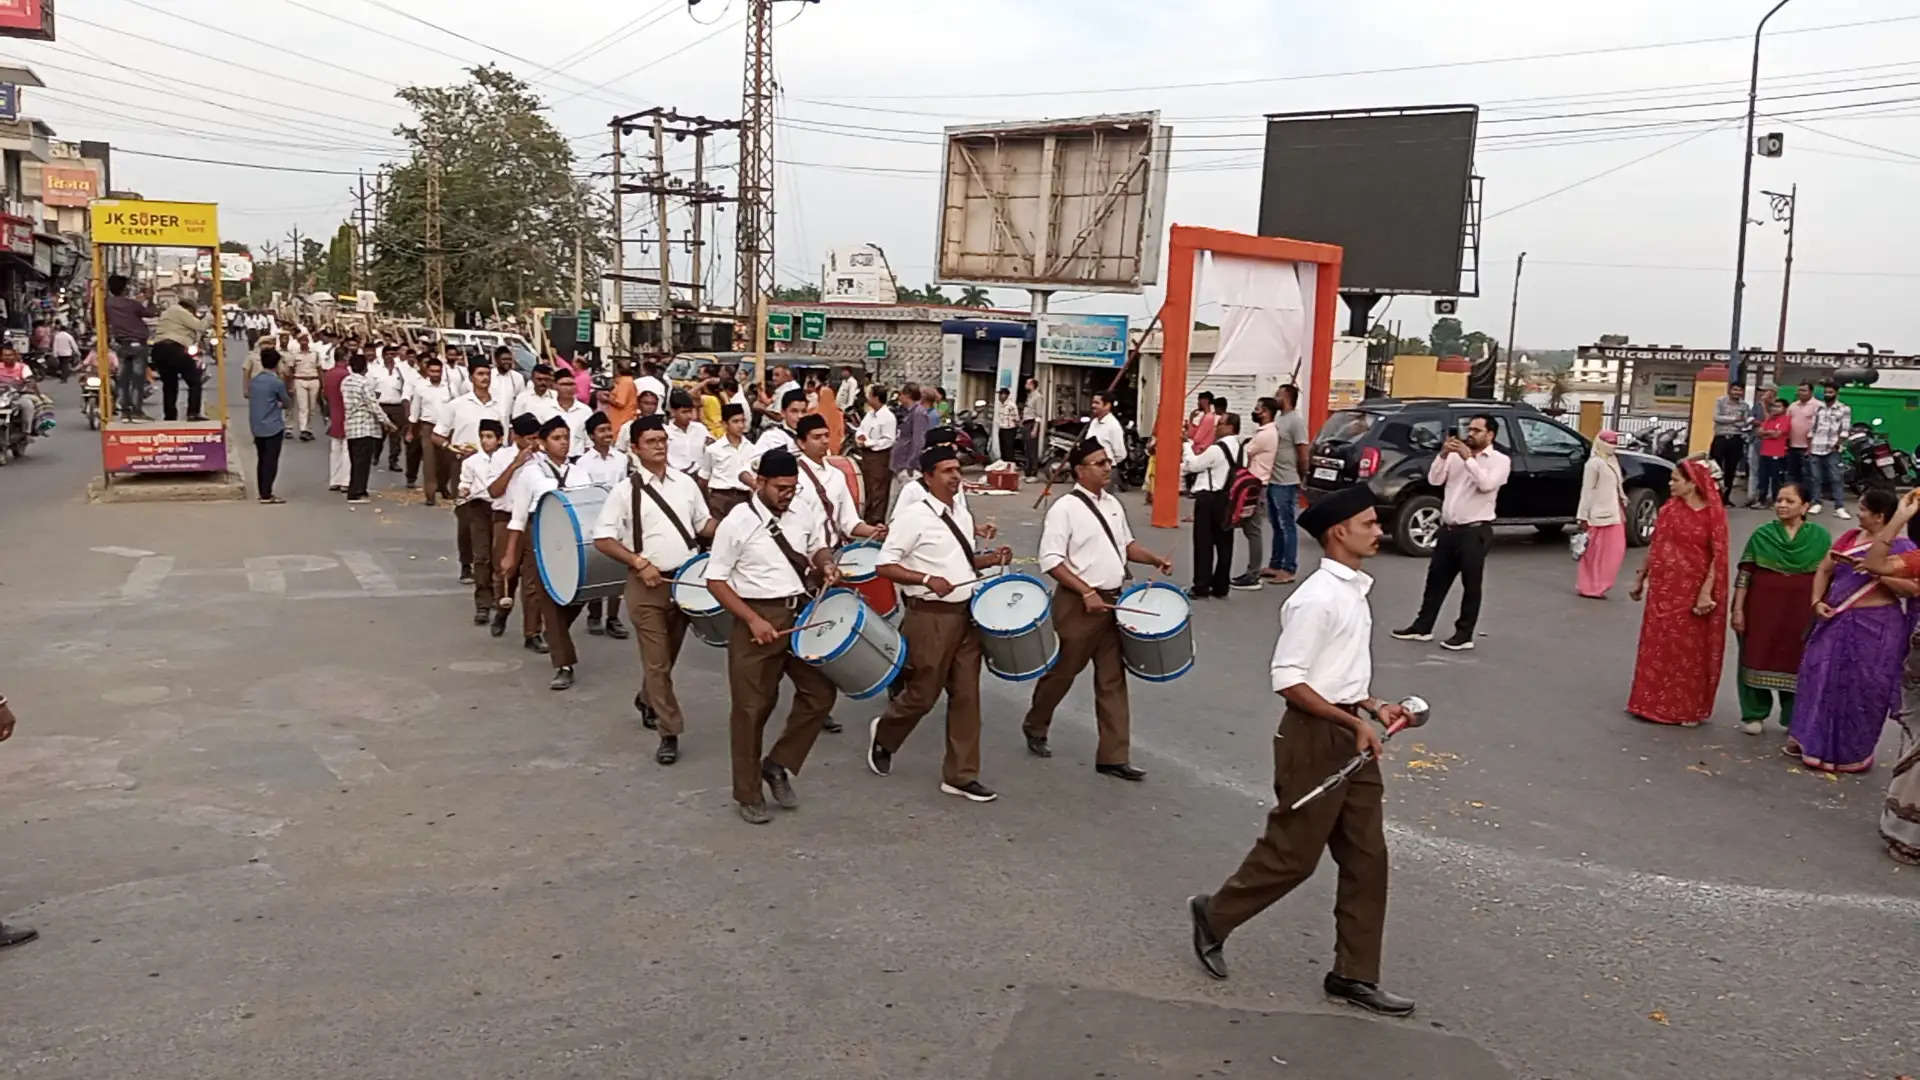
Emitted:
pixel 234 164
pixel 664 57
pixel 1603 173
pixel 1721 269
pixel 203 55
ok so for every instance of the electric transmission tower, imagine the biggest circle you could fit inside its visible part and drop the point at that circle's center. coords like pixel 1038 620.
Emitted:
pixel 753 239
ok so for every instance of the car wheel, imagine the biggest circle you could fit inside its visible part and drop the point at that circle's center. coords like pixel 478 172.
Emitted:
pixel 1416 527
pixel 1642 507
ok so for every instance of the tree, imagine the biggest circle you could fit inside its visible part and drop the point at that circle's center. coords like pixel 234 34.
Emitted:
pixel 1478 345
pixel 510 201
pixel 1447 338
pixel 1614 339
pixel 795 294
pixel 235 247
pixel 1411 346
pixel 336 270
pixel 931 294
pixel 974 296
pixel 311 255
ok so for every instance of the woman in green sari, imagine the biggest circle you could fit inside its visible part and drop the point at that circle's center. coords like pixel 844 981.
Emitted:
pixel 1773 598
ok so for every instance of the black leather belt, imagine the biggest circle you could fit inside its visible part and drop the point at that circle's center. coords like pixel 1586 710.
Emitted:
pixel 784 603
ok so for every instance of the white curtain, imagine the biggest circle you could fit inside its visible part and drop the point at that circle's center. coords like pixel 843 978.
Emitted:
pixel 1267 324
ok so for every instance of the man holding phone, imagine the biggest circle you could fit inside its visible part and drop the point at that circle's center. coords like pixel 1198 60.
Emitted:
pixel 1470 472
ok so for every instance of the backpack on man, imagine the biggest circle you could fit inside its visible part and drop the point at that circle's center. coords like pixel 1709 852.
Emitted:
pixel 1245 492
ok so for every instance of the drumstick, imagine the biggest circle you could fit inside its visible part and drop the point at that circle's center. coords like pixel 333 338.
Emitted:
pixel 809 626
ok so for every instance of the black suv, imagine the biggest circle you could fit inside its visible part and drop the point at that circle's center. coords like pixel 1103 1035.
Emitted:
pixel 1388 444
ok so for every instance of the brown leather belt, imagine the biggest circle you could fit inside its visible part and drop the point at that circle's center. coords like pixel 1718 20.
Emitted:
pixel 942 607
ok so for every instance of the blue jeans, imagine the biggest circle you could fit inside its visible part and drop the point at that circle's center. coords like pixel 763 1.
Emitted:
pixel 1773 473
pixel 131 386
pixel 1823 472
pixel 1281 499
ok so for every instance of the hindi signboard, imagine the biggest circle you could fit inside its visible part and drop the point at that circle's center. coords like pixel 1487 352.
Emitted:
pixel 68 186
pixel 164 449
pixel 1087 340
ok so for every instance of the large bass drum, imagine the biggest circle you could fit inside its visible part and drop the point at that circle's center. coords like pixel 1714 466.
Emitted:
pixel 571 568
pixel 709 621
pixel 850 643
pixel 859 563
pixel 1156 631
pixel 1015 615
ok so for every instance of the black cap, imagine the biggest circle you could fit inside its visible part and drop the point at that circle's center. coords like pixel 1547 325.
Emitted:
pixel 934 455
pixel 1083 450
pixel 732 409
pixel 809 424
pixel 649 422
pixel 778 462
pixel 490 424
pixel 1331 510
pixel 526 424
pixel 594 421
pixel 936 436
pixel 792 396
pixel 557 423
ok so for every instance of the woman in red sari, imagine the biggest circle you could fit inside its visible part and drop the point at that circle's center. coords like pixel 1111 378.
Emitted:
pixel 1683 635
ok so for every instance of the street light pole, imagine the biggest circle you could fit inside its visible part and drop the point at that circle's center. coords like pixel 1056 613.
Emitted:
pixel 1746 197
pixel 1513 318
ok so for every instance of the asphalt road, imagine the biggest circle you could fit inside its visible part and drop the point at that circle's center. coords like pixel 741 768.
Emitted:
pixel 279 810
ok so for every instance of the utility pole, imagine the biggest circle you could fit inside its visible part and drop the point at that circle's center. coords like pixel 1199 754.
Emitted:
pixel 696 248
pixel 753 228
pixel 1513 319
pixel 579 270
pixel 360 262
pixel 436 267
pixel 617 341
pixel 1746 196
pixel 293 241
pixel 664 188
pixel 1785 207
pixel 667 340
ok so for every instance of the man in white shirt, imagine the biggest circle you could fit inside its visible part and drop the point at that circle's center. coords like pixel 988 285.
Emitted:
pixel 474 514
pixel 1085 545
pixel 782 435
pixel 457 426
pixel 726 465
pixel 928 555
pixel 1006 425
pixel 529 478
pixel 759 555
pixel 650 380
pixel 301 364
pixel 435 464
pixel 538 398
pixel 1105 429
pixel 602 463
pixel 687 437
pixel 672 519
pixel 874 438
pixel 784 384
pixel 1212 533
pixel 66 351
pixel 1322 666
pixel 511 383
pixel 458 372
pixel 1470 474
pixel 849 393
pixel 391 382
pixel 571 409
pixel 823 490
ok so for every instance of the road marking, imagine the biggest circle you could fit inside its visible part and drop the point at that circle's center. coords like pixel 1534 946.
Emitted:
pixel 366 569
pixel 348 759
pixel 143 582
pixel 268 573
pixel 124 552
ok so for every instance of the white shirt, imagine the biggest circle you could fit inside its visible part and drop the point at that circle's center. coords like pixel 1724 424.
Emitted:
pixel 915 490
pixel 722 463
pixel 1210 467
pixel 544 407
pixel 459 421
pixel 456 376
pixel 592 467
pixel 877 429
pixel 576 417
pixel 479 470
pixel 390 386
pixel 770 438
pixel 780 394
pixel 1006 414
pixel 746 557
pixel 508 385
pixel 849 393
pixel 647 382
pixel 1107 430
pixel 1326 636
pixel 919 541
pixel 660 542
pixel 836 521
pixel 535 478
pixel 430 402
pixel 684 446
pixel 1071 535
pixel 63 343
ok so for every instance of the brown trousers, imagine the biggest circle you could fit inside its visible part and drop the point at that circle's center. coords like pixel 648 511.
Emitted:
pixel 943 653
pixel 1086 636
pixel 440 467
pixel 475 521
pixel 721 502
pixel 753 678
pixel 876 474
pixel 551 618
pixel 504 584
pixel 397 414
pixel 661 628
pixel 1347 821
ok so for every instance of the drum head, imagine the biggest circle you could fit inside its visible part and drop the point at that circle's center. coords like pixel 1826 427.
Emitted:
pixel 557 537
pixel 858 561
pixel 1154 610
pixel 837 615
pixel 1010 604
pixel 690 592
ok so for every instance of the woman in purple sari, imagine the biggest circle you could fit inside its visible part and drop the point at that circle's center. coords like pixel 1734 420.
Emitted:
pixel 1849 680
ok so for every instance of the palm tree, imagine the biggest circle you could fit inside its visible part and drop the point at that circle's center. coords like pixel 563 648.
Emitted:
pixel 974 296
pixel 932 295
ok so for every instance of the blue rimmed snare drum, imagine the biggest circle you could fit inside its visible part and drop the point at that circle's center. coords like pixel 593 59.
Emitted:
pixel 1015 615
pixel 850 643
pixel 1156 631
pixel 571 568
pixel 709 621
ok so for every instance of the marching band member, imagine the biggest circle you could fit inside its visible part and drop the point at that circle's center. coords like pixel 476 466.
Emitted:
pixel 1322 665
pixel 823 492
pixel 793 406
pixel 928 555
pixel 687 437
pixel 726 466
pixel 430 398
pixel 446 430
pixel 574 411
pixel 874 437
pixel 474 513
pixel 761 554
pixel 605 464
pixel 533 474
pixel 1085 544
pixel 671 517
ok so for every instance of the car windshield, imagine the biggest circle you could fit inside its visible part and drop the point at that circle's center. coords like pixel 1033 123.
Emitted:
pixel 522 356
pixel 682 369
pixel 1345 426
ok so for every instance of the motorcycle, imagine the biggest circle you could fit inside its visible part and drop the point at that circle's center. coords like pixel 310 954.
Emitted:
pixel 1668 443
pixel 1870 461
pixel 90 401
pixel 1133 471
pixel 1062 437
pixel 13 436
pixel 971 438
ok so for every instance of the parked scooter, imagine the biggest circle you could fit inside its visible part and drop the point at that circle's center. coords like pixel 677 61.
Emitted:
pixel 1133 471
pixel 1871 461
pixel 971 437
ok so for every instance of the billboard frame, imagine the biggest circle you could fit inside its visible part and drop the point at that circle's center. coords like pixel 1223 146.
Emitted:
pixel 1048 268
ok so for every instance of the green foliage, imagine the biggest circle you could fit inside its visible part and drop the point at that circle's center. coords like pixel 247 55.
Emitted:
pixel 336 272
pixel 1447 337
pixel 795 294
pixel 975 297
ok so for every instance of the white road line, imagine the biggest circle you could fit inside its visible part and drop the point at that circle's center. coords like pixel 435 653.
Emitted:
pixel 123 552
pixel 143 582
pixel 268 573
pixel 374 580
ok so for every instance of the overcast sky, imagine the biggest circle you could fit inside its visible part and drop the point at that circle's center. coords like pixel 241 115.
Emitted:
pixel 1646 250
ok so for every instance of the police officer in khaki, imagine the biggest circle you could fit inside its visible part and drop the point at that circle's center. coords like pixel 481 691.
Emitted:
pixel 1085 545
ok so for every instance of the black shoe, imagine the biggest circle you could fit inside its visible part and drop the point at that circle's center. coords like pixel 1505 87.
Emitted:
pixel 779 784
pixel 1412 633
pixel 1247 581
pixel 431 502
pixel 831 726
pixel 1368 996
pixel 480 618
pixel 337 487
pixel 562 679
pixel 1122 771
pixel 649 719
pixel 499 624
pixel 466 575
pixel 306 436
pixel 594 627
pixel 196 418
pixel 1458 642
pixel 411 484
pixel 973 790
pixel 879 759
pixel 754 813
pixel 537 643
pixel 669 751
pixel 1037 746
pixel 616 629
pixel 393 466
pixel 1206 946
pixel 16 935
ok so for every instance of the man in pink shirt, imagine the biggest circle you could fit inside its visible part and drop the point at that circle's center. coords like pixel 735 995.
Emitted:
pixel 1470 473
pixel 1202 433
pixel 1260 450
pixel 1800 414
